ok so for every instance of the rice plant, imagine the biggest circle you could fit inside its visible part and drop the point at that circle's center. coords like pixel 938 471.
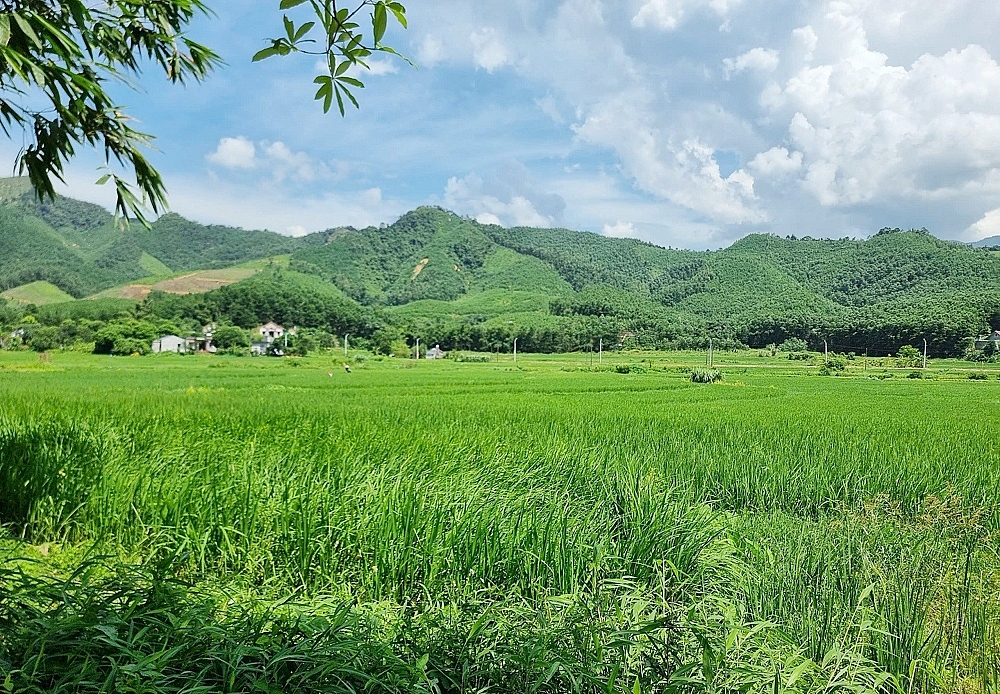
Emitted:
pixel 460 527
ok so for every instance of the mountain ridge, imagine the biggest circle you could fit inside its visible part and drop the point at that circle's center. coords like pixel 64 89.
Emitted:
pixel 435 268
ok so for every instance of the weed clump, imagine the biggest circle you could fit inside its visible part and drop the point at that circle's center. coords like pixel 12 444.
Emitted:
pixel 706 376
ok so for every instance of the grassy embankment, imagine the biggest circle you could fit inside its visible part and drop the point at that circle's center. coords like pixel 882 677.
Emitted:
pixel 279 525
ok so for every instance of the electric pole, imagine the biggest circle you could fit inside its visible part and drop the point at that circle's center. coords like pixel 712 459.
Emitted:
pixel 600 354
pixel 711 353
pixel 826 353
pixel 417 357
pixel 925 354
pixel 515 350
pixel 345 344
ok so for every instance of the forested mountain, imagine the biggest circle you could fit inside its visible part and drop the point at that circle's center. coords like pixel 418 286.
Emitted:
pixel 77 246
pixel 469 285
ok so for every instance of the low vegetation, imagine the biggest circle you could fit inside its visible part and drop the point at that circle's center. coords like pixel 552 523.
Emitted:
pixel 283 525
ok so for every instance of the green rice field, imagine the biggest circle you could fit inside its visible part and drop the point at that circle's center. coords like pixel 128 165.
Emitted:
pixel 560 524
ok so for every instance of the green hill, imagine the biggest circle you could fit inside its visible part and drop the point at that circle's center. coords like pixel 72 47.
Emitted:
pixel 477 286
pixel 37 294
pixel 78 247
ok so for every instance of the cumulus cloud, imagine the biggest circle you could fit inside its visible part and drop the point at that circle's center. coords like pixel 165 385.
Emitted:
pixel 667 15
pixel 509 196
pixel 757 60
pixel 430 52
pixel 381 67
pixel 776 162
pixel 986 227
pixel 868 129
pixel 234 153
pixel 276 158
pixel 620 230
pixel 681 170
pixel 488 49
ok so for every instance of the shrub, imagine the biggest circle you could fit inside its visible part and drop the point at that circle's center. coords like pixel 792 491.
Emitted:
pixel 793 344
pixel 908 355
pixel 978 376
pixel 706 376
pixel 229 336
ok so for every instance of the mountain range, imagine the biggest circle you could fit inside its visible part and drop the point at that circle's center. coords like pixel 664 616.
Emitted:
pixel 434 270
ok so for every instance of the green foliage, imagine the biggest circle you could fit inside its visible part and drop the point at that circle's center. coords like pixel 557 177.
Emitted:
pixel 230 336
pixel 452 527
pixel 67 52
pixel 343 45
pixel 908 355
pixel 130 336
pixel 793 344
pixel 706 376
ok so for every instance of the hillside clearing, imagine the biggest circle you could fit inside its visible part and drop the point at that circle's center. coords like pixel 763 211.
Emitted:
pixel 37 293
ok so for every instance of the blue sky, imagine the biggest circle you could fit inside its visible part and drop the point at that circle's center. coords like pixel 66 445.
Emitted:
pixel 683 122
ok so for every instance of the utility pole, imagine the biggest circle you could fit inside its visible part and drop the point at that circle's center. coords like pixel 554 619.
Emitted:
pixel 600 355
pixel 866 358
pixel 711 353
pixel 826 353
pixel 418 350
pixel 515 350
pixel 345 344
pixel 925 354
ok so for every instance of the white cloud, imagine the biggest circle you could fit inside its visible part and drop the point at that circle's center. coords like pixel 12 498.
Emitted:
pixel 682 170
pixel 284 163
pixel 509 196
pixel 757 60
pixel 776 162
pixel 234 153
pixel 667 15
pixel 296 230
pixel 275 158
pixel 986 227
pixel 488 49
pixel 381 67
pixel 868 129
pixel 620 230
pixel 806 40
pixel 430 52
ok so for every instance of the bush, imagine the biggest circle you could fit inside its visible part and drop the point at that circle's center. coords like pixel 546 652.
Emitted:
pixel 908 355
pixel 799 356
pixel 793 344
pixel 978 376
pixel 229 336
pixel 473 358
pixel 706 376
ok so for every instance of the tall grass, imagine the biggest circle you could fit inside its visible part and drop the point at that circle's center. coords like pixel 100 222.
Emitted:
pixel 471 529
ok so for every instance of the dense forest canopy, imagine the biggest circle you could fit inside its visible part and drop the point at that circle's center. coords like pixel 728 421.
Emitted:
pixel 450 280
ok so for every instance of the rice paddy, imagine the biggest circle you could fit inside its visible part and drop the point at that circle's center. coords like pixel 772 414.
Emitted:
pixel 214 524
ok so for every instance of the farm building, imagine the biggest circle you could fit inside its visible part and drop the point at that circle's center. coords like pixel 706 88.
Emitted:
pixel 170 343
pixel 270 332
pixel 993 339
pixel 435 352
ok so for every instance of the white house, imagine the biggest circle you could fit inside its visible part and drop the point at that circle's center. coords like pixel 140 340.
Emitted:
pixel 435 352
pixel 170 343
pixel 270 332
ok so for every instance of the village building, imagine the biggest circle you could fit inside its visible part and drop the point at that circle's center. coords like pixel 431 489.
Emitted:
pixel 269 333
pixel 435 352
pixel 170 343
pixel 992 339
